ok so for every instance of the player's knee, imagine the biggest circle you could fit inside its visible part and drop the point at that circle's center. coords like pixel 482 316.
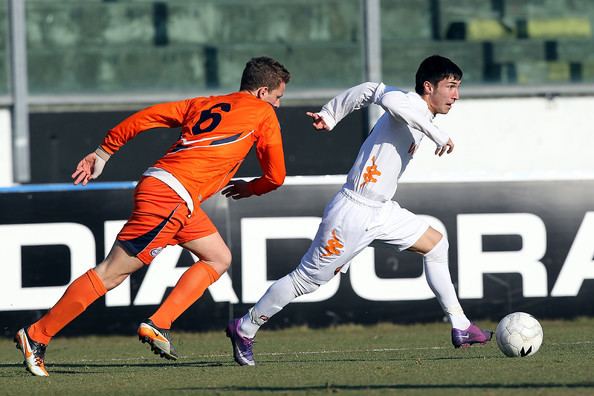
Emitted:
pixel 226 260
pixel 439 251
pixel 302 283
pixel 222 262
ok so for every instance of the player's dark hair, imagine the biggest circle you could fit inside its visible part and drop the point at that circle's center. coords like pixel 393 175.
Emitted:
pixel 434 69
pixel 263 72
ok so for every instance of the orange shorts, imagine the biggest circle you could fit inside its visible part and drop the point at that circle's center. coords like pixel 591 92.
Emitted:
pixel 160 218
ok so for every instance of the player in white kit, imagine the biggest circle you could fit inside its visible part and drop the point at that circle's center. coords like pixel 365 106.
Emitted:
pixel 363 211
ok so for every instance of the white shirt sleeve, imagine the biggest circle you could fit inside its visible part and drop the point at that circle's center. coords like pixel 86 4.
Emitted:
pixel 400 105
pixel 350 100
pixel 395 101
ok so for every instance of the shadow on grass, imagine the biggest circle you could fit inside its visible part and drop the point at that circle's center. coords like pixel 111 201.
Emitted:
pixel 56 367
pixel 86 368
pixel 122 364
pixel 337 387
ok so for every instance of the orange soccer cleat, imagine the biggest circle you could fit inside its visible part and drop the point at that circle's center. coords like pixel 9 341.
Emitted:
pixel 159 340
pixel 33 352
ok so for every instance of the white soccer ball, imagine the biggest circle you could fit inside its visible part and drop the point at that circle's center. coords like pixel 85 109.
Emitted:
pixel 519 335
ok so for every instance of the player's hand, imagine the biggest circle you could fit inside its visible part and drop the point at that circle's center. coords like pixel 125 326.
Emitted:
pixel 447 148
pixel 318 122
pixel 237 189
pixel 89 168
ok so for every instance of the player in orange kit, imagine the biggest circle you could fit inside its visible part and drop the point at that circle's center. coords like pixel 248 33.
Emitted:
pixel 217 132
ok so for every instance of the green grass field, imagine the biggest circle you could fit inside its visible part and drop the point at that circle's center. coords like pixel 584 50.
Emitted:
pixel 370 360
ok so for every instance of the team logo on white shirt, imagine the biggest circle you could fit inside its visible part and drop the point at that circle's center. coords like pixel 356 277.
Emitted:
pixel 370 173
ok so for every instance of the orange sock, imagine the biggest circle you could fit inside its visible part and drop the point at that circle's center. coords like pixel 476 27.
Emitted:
pixel 78 296
pixel 189 288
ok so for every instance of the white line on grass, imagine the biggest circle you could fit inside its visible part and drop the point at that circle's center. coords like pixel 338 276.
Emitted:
pixel 323 352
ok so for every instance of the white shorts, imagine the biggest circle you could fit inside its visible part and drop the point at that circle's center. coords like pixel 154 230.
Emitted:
pixel 350 224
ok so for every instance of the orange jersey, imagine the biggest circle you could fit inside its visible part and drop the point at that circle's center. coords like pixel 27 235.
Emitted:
pixel 217 132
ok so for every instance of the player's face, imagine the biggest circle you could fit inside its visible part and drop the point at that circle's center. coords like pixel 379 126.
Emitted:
pixel 442 96
pixel 272 96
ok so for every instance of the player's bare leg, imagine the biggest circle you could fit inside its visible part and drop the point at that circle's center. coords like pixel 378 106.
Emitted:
pixel 117 266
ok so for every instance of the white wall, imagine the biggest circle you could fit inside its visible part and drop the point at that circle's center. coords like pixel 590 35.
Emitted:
pixel 5 148
pixel 512 139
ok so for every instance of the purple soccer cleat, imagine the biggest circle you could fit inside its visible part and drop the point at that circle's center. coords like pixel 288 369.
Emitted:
pixel 472 335
pixel 242 346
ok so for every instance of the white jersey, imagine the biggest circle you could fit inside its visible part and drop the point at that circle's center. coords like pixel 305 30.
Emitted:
pixel 384 155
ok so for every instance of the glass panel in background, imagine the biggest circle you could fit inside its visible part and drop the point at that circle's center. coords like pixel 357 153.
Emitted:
pixel 187 46
pixel 553 42
pixel 318 41
pixel 4 39
pixel 415 29
pixel 524 42
pixel 406 31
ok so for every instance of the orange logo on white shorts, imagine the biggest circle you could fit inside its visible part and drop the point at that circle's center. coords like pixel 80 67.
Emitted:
pixel 333 245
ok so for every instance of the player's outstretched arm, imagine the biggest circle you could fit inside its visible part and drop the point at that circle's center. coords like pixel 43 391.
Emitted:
pixel 90 167
pixel 352 99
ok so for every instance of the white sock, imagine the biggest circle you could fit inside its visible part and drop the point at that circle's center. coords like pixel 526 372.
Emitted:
pixel 440 282
pixel 279 294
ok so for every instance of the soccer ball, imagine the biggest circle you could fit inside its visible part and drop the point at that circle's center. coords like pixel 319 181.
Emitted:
pixel 519 335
